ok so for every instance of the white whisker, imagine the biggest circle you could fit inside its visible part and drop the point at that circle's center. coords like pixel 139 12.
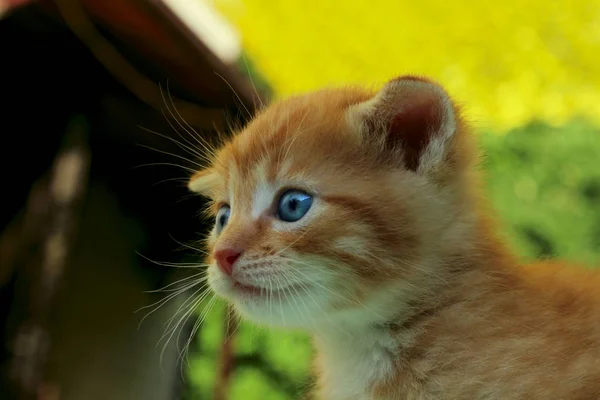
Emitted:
pixel 165 164
pixel 235 94
pixel 187 246
pixel 172 155
pixel 205 146
pixel 167 288
pixel 190 150
pixel 171 264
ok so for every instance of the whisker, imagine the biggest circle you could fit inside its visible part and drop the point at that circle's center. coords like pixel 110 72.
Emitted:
pixel 197 324
pixel 157 305
pixel 203 153
pixel 187 307
pixel 164 299
pixel 270 298
pixel 183 180
pixel 289 285
pixel 281 307
pixel 182 321
pixel 165 164
pixel 236 94
pixel 186 197
pixel 173 265
pixel 233 331
pixel 187 246
pixel 182 280
pixel 199 321
pixel 205 145
pixel 190 300
pixel 172 155
pixel 293 242
pixel 189 149
pixel 249 74
pixel 296 135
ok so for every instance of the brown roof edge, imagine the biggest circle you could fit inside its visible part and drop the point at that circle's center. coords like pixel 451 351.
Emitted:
pixel 232 77
pixel 161 39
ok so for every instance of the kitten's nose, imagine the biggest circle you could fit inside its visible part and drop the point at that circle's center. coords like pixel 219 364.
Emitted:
pixel 226 258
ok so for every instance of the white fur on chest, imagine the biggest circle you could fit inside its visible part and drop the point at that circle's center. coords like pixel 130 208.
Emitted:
pixel 351 366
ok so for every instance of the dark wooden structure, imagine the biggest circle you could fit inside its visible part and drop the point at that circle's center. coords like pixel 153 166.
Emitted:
pixel 85 111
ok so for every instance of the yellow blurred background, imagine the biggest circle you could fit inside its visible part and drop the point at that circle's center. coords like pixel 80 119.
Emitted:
pixel 509 62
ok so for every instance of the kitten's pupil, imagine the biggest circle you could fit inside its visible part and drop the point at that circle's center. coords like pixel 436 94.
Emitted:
pixel 293 204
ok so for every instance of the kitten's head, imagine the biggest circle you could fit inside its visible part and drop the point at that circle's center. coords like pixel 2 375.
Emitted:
pixel 337 204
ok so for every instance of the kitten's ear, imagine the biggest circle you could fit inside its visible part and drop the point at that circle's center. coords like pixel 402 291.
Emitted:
pixel 411 119
pixel 203 181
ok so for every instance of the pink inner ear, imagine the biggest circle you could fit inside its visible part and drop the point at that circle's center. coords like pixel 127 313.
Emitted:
pixel 414 125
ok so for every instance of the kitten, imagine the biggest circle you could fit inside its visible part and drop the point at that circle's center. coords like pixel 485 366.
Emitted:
pixel 356 216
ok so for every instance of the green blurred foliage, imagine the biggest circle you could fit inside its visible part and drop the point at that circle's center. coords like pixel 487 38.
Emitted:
pixel 545 184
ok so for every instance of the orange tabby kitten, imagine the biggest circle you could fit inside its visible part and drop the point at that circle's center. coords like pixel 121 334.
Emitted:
pixel 356 216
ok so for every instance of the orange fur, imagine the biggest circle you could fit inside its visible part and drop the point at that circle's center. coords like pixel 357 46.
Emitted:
pixel 396 270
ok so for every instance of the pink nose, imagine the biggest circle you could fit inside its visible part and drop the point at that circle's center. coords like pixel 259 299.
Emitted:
pixel 226 258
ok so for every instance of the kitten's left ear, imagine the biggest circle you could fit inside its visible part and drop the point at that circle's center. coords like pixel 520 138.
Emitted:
pixel 411 119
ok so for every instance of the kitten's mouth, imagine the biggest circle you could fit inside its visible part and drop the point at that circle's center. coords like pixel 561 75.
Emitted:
pixel 256 291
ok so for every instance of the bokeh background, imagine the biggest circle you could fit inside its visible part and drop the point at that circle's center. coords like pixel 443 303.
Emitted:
pixel 528 75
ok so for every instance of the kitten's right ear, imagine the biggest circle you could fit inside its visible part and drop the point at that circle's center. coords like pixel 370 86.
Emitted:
pixel 202 182
pixel 411 119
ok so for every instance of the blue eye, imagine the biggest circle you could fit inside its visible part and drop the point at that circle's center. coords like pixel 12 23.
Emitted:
pixel 222 218
pixel 293 205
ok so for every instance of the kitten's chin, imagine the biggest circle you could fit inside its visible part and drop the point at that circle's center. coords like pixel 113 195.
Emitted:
pixel 297 307
pixel 282 317
pixel 281 309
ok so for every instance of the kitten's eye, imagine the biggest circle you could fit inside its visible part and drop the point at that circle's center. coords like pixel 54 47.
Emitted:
pixel 293 205
pixel 222 218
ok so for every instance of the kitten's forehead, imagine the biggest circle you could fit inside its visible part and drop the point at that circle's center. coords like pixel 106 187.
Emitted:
pixel 290 134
